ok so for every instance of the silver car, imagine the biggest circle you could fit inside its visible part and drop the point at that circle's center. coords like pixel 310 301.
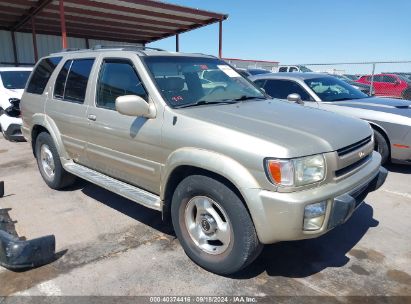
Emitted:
pixel 389 118
pixel 233 169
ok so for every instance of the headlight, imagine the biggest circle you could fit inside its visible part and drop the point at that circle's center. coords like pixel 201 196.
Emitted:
pixel 296 172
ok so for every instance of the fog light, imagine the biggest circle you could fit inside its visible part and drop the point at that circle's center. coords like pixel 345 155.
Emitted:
pixel 314 215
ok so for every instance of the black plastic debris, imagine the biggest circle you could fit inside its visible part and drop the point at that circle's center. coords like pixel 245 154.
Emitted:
pixel 16 253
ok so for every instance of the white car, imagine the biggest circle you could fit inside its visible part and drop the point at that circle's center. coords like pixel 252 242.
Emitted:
pixel 12 83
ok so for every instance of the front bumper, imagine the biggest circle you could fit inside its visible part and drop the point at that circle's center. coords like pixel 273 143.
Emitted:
pixel 280 216
pixel 18 254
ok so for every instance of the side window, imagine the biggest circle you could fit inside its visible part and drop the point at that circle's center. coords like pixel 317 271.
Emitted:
pixel 377 78
pixel 76 83
pixel 117 78
pixel 282 88
pixel 61 80
pixel 293 69
pixel 388 79
pixel 42 74
pixel 283 69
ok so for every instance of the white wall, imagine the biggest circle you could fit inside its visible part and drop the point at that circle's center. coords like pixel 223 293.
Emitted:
pixel 46 44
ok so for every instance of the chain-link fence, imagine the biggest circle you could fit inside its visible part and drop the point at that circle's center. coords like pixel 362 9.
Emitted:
pixel 384 79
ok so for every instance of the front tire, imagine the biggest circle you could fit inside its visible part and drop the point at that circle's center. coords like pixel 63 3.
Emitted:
pixel 213 225
pixel 381 146
pixel 48 161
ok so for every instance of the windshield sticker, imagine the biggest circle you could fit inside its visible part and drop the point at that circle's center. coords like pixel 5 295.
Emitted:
pixel 203 67
pixel 177 98
pixel 228 71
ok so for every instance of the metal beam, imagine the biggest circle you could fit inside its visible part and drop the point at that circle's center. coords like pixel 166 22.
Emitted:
pixel 119 38
pixel 70 26
pixel 89 32
pixel 100 21
pixel 13 40
pixel 33 34
pixel 63 25
pixel 177 43
pixel 33 11
pixel 85 12
pixel 220 39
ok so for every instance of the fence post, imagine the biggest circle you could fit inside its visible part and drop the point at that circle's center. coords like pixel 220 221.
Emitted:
pixel 372 78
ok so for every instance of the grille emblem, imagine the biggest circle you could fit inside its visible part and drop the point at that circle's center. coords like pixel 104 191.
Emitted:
pixel 361 154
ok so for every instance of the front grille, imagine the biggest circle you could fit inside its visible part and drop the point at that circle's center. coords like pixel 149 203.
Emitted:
pixel 353 166
pixel 353 147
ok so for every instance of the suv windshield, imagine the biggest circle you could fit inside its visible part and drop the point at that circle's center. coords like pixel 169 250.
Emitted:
pixel 14 79
pixel 333 89
pixel 186 81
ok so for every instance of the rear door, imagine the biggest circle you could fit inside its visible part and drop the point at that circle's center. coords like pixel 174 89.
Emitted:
pixel 66 106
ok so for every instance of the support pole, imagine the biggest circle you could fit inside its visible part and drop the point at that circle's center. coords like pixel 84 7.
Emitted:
pixel 87 43
pixel 220 39
pixel 177 43
pixel 33 34
pixel 63 25
pixel 13 40
pixel 372 78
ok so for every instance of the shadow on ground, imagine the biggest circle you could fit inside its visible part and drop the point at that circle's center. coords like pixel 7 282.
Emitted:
pixel 398 168
pixel 295 259
pixel 129 208
pixel 300 259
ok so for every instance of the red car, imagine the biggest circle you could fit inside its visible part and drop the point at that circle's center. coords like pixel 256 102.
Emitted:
pixel 389 85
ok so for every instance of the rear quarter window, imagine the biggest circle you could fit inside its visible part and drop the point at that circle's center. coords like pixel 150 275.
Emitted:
pixel 42 74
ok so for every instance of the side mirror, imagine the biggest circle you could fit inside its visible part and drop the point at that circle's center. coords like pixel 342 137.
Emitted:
pixel 133 105
pixel 396 82
pixel 294 97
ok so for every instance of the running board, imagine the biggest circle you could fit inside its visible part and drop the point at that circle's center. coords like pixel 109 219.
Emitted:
pixel 135 194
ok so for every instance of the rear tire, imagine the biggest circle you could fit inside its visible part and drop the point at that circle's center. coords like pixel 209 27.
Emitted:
pixel 213 225
pixel 48 161
pixel 381 146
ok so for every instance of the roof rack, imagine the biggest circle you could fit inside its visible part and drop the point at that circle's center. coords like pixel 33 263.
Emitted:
pixel 71 50
pixel 124 47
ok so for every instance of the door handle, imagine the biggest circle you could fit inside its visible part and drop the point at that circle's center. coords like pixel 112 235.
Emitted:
pixel 91 117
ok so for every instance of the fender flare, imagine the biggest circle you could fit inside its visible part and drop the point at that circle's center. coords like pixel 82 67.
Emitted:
pixel 215 162
pixel 47 123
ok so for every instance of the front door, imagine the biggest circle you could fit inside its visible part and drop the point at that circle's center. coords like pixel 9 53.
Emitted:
pixel 121 146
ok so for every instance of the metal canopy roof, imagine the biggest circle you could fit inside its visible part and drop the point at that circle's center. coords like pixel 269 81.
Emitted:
pixel 133 21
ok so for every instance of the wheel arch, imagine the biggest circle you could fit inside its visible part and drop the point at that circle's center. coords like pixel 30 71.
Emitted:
pixel 189 161
pixel 41 123
pixel 383 133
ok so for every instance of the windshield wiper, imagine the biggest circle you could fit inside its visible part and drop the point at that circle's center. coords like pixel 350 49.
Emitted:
pixel 245 97
pixel 206 102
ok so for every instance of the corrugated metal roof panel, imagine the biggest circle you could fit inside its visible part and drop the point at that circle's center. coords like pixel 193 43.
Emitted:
pixel 6 47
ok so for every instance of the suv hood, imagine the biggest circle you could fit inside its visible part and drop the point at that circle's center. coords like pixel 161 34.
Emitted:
pixel 296 129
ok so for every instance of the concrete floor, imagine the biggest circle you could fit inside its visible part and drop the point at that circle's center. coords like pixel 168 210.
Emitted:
pixel 109 245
